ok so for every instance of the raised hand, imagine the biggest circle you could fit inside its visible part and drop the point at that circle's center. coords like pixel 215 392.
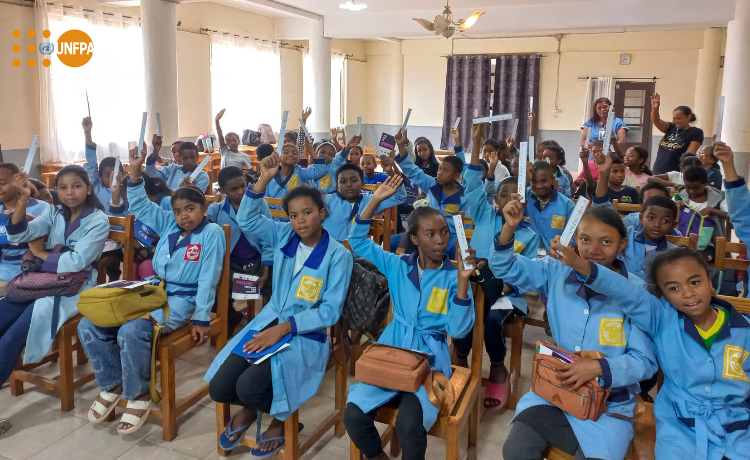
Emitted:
pixel 493 160
pixel 269 166
pixel 156 143
pixel 306 114
pixel 584 154
pixel 402 138
pixel 470 261
pixel 118 183
pixel 568 256
pixel 603 162
pixel 532 115
pixel 655 101
pixel 220 114
pixel 21 182
pixel 456 136
pixel 387 188
pixel 186 181
pixel 509 142
pixel 354 141
pixel 477 131
pixel 513 211
pixel 723 152
pixel 87 124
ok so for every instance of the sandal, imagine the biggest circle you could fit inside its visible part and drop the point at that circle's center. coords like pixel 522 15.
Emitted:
pixel 101 409
pixel 134 420
pixel 497 391
pixel 224 441
pixel 259 440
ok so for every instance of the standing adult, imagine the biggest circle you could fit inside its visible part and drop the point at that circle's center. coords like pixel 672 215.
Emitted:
pixel 597 126
pixel 679 136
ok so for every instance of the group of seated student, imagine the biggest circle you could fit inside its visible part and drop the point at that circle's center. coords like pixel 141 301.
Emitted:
pixel 620 288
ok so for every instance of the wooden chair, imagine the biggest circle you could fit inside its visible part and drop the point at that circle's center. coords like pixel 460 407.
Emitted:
pixel 741 304
pixel 625 207
pixel 724 259
pixel 293 448
pixel 49 179
pixel 280 213
pixel 370 150
pixel 67 340
pixel 214 198
pixel 451 418
pixel 683 241
pixel 383 225
pixel 179 342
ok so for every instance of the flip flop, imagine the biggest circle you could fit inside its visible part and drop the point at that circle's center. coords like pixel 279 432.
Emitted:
pixel 497 391
pixel 134 420
pixel 259 440
pixel 101 409
pixel 224 441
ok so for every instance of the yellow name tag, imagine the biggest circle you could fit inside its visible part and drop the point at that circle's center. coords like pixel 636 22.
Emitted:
pixel 558 222
pixel 451 208
pixel 438 301
pixel 293 182
pixel 309 288
pixel 611 332
pixel 325 181
pixel 734 359
pixel 518 247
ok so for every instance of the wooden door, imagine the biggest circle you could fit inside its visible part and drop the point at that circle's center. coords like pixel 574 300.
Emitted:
pixel 633 105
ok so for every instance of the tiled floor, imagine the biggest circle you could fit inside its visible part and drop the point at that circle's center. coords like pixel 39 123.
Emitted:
pixel 41 431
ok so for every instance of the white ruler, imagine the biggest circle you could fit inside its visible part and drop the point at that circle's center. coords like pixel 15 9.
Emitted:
pixel 720 119
pixel 158 125
pixel 522 162
pixel 359 127
pixel 608 130
pixel 200 167
pixel 515 128
pixel 499 117
pixel 143 133
pixel 458 121
pixel 406 121
pixel 31 154
pixel 461 238
pixel 282 130
pixel 532 149
pixel 573 221
pixel 116 171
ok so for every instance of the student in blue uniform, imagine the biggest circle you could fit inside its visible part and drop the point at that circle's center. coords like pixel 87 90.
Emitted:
pixel 291 175
pixel 175 174
pixel 547 209
pixel 101 175
pixel 702 343
pixel 431 300
pixel 248 256
pixel 189 258
pixel 349 200
pixel 581 320
pixel 311 278
pixel 555 156
pixel 333 161
pixel 158 191
pixel 443 191
pixel 368 165
pixel 487 222
pixel 647 191
pixel 738 196
pixel 79 223
pixel 11 254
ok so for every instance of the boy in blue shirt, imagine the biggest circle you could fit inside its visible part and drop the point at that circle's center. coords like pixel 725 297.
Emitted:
pixel 175 174
pixel 368 165
pixel 547 209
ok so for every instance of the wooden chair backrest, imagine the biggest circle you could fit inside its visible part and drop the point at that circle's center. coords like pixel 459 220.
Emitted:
pixel 126 237
pixel 371 187
pixel 277 212
pixel 625 207
pixel 683 241
pixel 468 222
pixel 213 198
pixel 222 291
pixel 370 150
pixel 741 304
pixel 724 259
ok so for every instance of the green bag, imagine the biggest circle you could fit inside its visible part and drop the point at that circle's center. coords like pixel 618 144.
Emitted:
pixel 112 306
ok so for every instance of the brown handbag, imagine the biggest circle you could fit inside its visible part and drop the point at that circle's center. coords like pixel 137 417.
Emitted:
pixel 588 402
pixel 400 369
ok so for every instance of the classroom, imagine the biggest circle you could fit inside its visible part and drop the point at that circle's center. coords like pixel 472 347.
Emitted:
pixel 371 230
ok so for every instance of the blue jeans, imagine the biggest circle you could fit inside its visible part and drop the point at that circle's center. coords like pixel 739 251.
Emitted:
pixel 15 321
pixel 120 354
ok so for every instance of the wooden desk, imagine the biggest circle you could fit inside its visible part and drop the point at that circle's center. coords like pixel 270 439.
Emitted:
pixel 54 167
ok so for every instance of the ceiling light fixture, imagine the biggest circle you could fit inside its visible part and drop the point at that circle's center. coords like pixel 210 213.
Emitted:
pixel 445 25
pixel 351 6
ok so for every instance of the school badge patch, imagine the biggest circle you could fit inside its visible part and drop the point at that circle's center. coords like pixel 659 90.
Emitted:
pixel 518 247
pixel 293 182
pixel 193 253
pixel 325 181
pixel 734 359
pixel 438 301
pixel 309 288
pixel 611 332
pixel 451 208
pixel 558 222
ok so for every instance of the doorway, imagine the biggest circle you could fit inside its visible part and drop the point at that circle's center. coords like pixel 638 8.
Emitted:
pixel 633 106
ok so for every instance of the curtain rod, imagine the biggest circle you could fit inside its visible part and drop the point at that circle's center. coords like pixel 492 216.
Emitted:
pixel 297 47
pixel 624 78
pixel 105 13
pixel 496 54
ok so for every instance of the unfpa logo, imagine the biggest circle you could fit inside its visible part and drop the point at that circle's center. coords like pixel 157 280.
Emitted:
pixel 74 48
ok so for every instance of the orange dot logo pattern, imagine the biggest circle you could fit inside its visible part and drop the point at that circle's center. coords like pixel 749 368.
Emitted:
pixel 31 48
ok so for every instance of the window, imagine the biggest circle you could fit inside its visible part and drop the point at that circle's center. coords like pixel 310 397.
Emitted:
pixel 337 86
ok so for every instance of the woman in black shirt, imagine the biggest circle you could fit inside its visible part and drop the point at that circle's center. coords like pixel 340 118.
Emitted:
pixel 679 136
pixel 425 158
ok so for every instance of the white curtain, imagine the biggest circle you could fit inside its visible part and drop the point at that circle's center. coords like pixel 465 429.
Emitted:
pixel 245 80
pixel 597 87
pixel 337 86
pixel 113 78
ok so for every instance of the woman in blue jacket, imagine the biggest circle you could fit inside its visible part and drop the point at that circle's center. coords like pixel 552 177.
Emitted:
pixel 444 307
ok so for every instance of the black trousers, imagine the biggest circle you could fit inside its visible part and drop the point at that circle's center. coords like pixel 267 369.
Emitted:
pixel 536 428
pixel 411 432
pixel 241 383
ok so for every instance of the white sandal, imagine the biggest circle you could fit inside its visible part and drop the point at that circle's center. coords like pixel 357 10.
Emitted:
pixel 101 409
pixel 133 420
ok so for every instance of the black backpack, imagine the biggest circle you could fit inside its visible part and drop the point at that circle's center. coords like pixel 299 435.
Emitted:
pixel 368 300
pixel 250 137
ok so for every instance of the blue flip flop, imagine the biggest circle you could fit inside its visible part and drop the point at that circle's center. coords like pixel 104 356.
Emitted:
pixel 224 441
pixel 259 440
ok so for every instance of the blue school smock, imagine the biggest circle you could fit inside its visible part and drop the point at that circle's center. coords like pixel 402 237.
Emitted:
pixel 85 236
pixel 450 206
pixel 101 190
pixel 582 319
pixel 223 213
pixel 378 178
pixel 738 205
pixel 418 325
pixel 702 410
pixel 190 268
pixel 311 300
pixel 636 259
pixel 11 254
pixel 173 174
pixel 550 221
pixel 563 184
pixel 327 183
pixel 341 212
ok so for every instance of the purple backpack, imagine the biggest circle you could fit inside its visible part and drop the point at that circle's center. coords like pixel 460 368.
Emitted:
pixel 34 284
pixel 692 222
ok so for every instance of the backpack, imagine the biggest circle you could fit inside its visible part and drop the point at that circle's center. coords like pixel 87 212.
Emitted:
pixel 266 134
pixel 368 300
pixel 34 284
pixel 250 137
pixel 691 221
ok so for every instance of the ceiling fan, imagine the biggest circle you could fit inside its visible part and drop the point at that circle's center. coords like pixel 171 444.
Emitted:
pixel 445 25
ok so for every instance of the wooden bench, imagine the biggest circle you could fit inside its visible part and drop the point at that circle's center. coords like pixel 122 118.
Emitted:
pixel 67 340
